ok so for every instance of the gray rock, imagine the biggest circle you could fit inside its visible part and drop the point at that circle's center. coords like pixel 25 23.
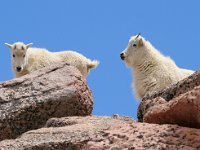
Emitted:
pixel 177 104
pixel 102 133
pixel 26 103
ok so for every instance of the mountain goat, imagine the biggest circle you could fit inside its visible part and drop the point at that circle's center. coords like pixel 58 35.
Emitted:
pixel 152 70
pixel 26 60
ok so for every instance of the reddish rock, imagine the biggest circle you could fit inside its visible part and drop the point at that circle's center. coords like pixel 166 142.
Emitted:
pixel 26 103
pixel 102 133
pixel 178 104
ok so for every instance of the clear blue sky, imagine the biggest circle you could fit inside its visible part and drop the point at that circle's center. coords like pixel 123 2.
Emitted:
pixel 101 30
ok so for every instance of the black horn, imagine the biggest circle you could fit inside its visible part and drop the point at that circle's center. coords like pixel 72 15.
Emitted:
pixel 138 35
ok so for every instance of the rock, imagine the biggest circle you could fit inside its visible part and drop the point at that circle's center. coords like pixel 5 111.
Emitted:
pixel 177 104
pixel 102 133
pixel 26 103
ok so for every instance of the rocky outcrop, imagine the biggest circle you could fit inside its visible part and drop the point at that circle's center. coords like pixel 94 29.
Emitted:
pixel 178 104
pixel 37 112
pixel 101 133
pixel 26 103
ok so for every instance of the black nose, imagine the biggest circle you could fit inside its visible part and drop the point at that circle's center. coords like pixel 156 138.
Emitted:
pixel 122 56
pixel 19 69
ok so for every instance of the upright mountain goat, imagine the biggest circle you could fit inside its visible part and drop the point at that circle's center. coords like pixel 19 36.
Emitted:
pixel 152 70
pixel 26 60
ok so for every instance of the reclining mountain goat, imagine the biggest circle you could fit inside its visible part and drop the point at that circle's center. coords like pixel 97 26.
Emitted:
pixel 26 60
pixel 152 70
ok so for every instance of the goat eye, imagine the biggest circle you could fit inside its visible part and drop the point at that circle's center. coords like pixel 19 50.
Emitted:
pixel 13 55
pixel 134 45
pixel 23 55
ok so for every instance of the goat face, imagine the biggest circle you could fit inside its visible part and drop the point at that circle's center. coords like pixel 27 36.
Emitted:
pixel 130 54
pixel 18 54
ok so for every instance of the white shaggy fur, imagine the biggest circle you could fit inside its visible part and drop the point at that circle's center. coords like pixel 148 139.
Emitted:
pixel 152 70
pixel 26 60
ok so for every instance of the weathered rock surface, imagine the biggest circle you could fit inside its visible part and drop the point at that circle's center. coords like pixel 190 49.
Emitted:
pixel 101 133
pixel 178 104
pixel 28 102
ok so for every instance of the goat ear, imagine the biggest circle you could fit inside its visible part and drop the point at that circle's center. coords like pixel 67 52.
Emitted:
pixel 29 45
pixel 9 45
pixel 140 42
